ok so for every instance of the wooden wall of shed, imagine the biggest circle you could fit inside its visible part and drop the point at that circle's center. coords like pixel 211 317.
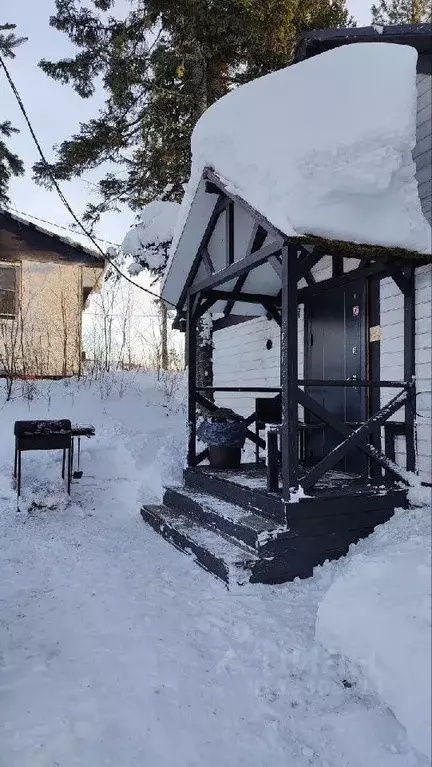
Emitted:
pixel 45 338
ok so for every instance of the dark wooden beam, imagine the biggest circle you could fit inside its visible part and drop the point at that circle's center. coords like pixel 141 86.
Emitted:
pixel 206 259
pixel 248 389
pixel 203 307
pixel 353 438
pixel 202 456
pixel 229 235
pixel 272 312
pixel 231 295
pixel 399 278
pixel 335 282
pixel 220 206
pixel 308 261
pixel 191 354
pixel 409 367
pixel 337 266
pixel 237 269
pixel 289 373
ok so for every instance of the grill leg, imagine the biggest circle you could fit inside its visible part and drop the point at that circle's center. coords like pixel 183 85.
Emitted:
pixel 63 463
pixel 70 459
pixel 15 460
pixel 19 474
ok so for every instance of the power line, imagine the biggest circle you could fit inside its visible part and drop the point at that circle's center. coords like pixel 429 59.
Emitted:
pixel 60 193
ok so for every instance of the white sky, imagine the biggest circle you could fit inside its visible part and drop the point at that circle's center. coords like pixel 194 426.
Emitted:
pixel 56 111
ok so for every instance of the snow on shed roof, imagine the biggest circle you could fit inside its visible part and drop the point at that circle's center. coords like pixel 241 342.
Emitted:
pixel 96 256
pixel 323 147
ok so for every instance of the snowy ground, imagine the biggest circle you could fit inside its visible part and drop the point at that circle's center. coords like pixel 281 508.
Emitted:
pixel 117 651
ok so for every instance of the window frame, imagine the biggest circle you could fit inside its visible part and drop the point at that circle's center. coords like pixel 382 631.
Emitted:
pixel 11 265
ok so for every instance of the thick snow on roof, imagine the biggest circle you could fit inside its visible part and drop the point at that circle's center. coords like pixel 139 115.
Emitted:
pixel 323 147
pixel 155 227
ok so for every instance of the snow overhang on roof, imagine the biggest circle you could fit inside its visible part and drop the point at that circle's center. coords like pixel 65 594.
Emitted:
pixel 75 251
pixel 328 153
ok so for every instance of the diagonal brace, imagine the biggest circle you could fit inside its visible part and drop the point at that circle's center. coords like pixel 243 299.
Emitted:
pixel 355 438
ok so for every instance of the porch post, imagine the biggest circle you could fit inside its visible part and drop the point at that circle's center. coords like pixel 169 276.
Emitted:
pixel 191 362
pixel 409 367
pixel 289 373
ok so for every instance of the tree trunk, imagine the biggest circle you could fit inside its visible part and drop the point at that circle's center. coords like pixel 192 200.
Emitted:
pixel 204 362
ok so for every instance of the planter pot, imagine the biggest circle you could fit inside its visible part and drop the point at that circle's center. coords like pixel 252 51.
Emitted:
pixel 225 457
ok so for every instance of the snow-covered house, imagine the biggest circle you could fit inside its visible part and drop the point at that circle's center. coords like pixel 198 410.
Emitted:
pixel 45 280
pixel 305 230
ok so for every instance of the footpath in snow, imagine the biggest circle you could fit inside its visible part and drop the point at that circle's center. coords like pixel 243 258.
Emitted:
pixel 116 650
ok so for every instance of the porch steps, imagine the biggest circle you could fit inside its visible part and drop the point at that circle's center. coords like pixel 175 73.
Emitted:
pixel 234 542
pixel 257 502
pixel 212 551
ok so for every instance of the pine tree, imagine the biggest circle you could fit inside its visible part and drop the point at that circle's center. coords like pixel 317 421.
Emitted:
pixel 402 12
pixel 10 164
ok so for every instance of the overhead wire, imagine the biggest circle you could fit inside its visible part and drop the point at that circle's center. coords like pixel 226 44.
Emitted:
pixel 61 194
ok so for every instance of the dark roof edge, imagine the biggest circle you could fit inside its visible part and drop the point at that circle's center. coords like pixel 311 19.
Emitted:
pixel 77 246
pixel 312 39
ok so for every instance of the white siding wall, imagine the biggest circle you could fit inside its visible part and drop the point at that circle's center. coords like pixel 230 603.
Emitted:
pixel 392 363
pixel 240 358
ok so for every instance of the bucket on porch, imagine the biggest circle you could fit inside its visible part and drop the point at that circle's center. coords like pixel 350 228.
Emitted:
pixel 224 432
pixel 225 457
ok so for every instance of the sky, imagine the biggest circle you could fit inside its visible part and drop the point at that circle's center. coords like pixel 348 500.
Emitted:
pixel 55 111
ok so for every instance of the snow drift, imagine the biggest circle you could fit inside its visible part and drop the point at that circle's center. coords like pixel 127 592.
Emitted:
pixel 323 147
pixel 377 614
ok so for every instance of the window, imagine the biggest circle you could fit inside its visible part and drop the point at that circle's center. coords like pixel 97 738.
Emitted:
pixel 8 291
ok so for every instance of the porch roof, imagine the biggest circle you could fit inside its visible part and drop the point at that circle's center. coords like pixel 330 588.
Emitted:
pixel 337 165
pixel 211 191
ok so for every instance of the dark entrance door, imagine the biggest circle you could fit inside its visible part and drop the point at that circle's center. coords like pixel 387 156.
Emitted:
pixel 335 350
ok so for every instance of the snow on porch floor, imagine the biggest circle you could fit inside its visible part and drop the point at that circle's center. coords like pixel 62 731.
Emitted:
pixel 118 651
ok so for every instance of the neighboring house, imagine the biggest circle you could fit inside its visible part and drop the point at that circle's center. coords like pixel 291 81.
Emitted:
pixel 306 232
pixel 45 280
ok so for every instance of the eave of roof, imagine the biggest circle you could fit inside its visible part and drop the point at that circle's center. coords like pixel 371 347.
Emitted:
pixel 97 258
pixel 316 41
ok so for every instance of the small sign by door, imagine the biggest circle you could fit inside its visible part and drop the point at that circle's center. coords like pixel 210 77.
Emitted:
pixel 375 333
pixel 356 311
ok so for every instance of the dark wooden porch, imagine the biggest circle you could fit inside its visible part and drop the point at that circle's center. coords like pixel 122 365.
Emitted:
pixel 290 515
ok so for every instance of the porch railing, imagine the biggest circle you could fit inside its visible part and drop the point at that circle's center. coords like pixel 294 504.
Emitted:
pixel 359 436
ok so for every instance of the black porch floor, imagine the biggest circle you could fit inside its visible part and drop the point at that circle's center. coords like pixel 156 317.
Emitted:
pixel 238 531
pixel 332 484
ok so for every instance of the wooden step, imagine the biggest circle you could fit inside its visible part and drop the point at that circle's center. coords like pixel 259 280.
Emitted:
pixel 213 552
pixel 254 501
pixel 227 518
